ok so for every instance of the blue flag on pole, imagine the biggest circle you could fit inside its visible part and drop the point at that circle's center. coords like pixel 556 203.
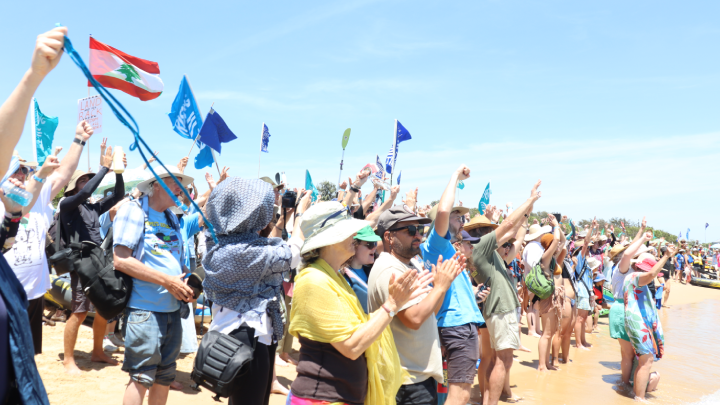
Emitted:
pixel 265 139
pixel 485 199
pixel 184 114
pixel 215 131
pixel 401 135
pixel 380 173
pixel 706 225
pixel 687 235
pixel 309 186
pixel 398 179
pixel 44 132
pixel 204 157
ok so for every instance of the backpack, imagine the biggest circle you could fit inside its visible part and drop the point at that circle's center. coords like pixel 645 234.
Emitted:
pixel 538 283
pixel 222 358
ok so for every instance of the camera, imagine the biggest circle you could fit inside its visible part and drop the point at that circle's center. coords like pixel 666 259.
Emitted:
pixel 558 217
pixel 289 199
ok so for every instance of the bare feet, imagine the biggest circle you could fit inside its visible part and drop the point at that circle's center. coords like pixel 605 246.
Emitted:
pixel 581 347
pixel 103 358
pixel 286 358
pixel 280 362
pixel 524 349
pixel 177 386
pixel 278 388
pixel 535 335
pixel 72 368
pixel 588 345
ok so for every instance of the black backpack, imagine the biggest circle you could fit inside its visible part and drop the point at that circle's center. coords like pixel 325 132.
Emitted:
pixel 223 358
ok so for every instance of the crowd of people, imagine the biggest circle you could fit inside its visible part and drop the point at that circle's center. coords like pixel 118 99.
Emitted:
pixel 378 295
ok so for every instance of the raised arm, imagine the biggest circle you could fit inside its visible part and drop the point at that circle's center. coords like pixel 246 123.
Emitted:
pixel 630 252
pixel 512 223
pixel 74 201
pixel 588 237
pixel 648 277
pixel 368 200
pixel 374 217
pixel 355 186
pixel 47 53
pixel 550 251
pixel 445 206
pixel 61 177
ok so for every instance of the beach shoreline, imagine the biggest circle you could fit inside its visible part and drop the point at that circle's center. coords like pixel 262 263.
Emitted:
pixel 591 371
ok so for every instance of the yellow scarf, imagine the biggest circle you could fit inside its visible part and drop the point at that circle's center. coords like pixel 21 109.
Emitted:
pixel 325 309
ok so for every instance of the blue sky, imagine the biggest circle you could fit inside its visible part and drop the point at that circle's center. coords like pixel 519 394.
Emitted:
pixel 612 104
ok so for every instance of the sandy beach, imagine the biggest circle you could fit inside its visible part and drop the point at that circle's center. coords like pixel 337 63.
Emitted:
pixel 688 371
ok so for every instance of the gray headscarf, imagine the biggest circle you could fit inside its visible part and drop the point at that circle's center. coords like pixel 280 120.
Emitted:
pixel 244 270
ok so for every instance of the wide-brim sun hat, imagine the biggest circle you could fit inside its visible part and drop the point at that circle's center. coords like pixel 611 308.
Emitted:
pixel 74 179
pixel 647 264
pixel 537 231
pixel 433 211
pixel 642 257
pixel 593 263
pixel 144 187
pixel 600 277
pixel 616 250
pixel 326 224
pixel 603 238
pixel 480 221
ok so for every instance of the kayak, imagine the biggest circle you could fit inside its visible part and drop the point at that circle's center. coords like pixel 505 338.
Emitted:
pixel 703 282
pixel 604 312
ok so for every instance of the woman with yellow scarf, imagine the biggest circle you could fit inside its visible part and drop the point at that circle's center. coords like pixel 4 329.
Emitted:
pixel 346 356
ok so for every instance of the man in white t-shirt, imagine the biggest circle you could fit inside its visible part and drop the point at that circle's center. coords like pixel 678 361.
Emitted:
pixel 27 256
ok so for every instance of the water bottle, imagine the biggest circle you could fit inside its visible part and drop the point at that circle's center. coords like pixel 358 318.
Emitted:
pixel 17 194
pixel 118 165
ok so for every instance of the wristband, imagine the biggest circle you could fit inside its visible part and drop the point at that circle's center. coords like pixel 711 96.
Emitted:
pixel 38 179
pixel 80 141
pixel 355 189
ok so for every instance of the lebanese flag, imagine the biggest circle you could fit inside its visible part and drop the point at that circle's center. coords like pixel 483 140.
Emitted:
pixel 117 70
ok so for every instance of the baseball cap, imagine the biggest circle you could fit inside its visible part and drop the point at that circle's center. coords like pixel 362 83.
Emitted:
pixel 397 213
pixel 466 236
pixel 366 234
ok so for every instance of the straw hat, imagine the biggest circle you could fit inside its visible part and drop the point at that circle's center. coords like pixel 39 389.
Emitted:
pixel 144 187
pixel 433 211
pixel 603 238
pixel 326 224
pixel 616 250
pixel 478 222
pixel 536 231
pixel 74 179
pixel 24 162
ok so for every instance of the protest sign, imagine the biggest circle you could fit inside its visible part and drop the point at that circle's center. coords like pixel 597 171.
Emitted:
pixel 90 110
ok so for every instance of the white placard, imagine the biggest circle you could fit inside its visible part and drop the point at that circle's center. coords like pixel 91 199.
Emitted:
pixel 90 110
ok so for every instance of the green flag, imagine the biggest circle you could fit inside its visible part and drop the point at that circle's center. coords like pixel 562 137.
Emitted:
pixel 346 138
pixel 44 131
pixel 485 200
pixel 310 186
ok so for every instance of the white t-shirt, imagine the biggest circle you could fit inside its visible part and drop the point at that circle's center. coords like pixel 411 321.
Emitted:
pixel 27 256
pixel 618 280
pixel 531 255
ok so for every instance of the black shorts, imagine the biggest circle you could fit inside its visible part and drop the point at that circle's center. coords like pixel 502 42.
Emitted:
pixel 462 352
pixel 80 302
pixel 665 274
pixel 422 393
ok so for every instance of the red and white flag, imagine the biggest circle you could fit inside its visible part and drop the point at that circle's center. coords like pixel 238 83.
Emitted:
pixel 115 69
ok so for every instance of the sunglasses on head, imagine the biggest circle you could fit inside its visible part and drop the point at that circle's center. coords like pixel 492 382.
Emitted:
pixel 412 230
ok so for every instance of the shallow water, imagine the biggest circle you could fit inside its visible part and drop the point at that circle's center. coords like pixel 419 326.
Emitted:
pixel 689 370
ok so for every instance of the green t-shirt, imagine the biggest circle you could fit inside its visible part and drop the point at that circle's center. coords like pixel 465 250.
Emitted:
pixel 503 293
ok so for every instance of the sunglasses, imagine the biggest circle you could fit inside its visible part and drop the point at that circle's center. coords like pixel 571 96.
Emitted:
pixel 369 245
pixel 412 230
pixel 24 169
pixel 506 245
pixel 461 218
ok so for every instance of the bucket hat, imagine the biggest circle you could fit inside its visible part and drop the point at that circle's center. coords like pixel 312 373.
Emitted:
pixel 326 224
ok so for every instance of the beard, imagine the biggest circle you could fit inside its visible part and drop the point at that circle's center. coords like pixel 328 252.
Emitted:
pixel 406 251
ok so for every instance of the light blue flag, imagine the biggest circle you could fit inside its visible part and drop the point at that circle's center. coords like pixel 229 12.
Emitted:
pixel 461 185
pixel 44 133
pixel 184 114
pixel 265 140
pixel 485 200
pixel 679 235
pixel 687 235
pixel 310 186
pixel 398 179
pixel 204 157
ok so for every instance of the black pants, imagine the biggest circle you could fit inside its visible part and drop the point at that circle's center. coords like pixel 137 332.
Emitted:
pixel 35 314
pixel 254 388
pixel 423 393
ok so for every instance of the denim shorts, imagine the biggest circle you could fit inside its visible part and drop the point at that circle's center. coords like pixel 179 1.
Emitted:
pixel 152 344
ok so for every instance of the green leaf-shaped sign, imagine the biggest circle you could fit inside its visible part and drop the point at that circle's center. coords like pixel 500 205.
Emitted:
pixel 346 137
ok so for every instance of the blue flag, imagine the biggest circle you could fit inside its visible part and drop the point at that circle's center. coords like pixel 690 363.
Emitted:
pixel 679 235
pixel 380 173
pixel 309 186
pixel 398 179
pixel 706 225
pixel 44 133
pixel 401 135
pixel 265 139
pixel 485 200
pixel 215 131
pixel 461 185
pixel 204 157
pixel 687 235
pixel 184 114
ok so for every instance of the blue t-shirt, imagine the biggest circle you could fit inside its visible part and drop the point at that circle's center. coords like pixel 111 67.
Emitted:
pixel 459 306
pixel 587 277
pixel 161 252
pixel 189 225
pixel 359 286
pixel 105 224
pixel 681 261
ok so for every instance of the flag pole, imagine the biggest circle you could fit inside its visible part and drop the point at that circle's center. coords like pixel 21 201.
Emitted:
pixel 394 152
pixel 198 136
pixel 262 129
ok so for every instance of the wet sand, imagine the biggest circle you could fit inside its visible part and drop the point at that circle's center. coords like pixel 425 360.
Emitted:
pixel 689 370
